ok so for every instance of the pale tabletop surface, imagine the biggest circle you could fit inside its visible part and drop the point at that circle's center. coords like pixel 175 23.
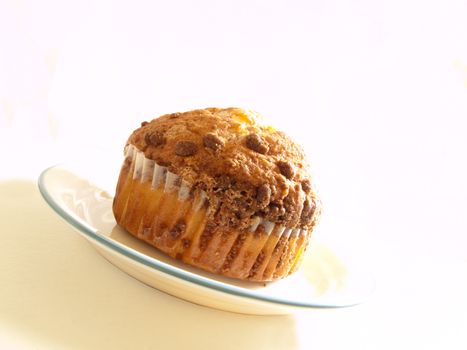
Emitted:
pixel 376 92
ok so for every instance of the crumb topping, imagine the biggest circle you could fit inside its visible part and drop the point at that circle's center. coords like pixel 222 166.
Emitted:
pixel 245 168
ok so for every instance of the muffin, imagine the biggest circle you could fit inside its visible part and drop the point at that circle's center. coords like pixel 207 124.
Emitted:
pixel 220 191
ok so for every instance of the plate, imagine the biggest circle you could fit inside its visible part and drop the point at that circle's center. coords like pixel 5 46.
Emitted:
pixel 80 194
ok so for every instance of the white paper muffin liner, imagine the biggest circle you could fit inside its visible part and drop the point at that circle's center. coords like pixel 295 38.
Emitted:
pixel 147 170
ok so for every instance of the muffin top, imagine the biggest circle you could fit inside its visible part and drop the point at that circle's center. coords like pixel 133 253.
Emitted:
pixel 246 169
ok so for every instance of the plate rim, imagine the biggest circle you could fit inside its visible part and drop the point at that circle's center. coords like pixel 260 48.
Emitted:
pixel 92 233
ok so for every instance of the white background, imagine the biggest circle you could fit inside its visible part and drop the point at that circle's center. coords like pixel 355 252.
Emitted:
pixel 375 91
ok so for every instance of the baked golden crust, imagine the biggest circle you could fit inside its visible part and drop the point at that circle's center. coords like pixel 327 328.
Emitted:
pixel 246 169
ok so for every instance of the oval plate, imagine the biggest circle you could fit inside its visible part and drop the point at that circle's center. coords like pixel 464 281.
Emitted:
pixel 80 196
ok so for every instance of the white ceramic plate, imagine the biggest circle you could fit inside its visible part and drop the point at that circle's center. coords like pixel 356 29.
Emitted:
pixel 80 195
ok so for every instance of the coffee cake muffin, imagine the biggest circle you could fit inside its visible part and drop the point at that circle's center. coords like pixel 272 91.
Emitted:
pixel 218 190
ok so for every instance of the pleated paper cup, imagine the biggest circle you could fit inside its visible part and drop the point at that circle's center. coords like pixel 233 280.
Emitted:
pixel 161 208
